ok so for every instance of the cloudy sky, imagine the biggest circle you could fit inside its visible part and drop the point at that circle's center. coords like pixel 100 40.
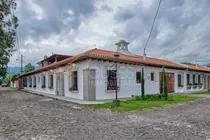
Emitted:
pixel 181 32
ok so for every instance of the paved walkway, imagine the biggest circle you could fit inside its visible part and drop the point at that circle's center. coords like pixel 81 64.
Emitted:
pixel 68 99
pixel 28 116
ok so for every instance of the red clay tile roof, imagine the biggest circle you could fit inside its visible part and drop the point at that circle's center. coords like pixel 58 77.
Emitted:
pixel 198 68
pixel 109 56
pixel 103 54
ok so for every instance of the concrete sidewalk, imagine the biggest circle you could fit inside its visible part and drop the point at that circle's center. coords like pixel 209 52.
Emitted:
pixel 3 89
pixel 68 99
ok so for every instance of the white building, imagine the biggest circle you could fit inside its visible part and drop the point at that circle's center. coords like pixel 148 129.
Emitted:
pixel 91 75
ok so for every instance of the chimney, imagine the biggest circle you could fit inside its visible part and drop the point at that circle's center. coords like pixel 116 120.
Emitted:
pixel 196 65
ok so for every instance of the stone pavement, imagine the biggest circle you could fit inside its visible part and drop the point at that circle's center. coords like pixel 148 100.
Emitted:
pixel 28 116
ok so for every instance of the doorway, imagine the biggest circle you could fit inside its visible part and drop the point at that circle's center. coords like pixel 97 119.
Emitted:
pixel 60 84
pixel 170 81
pixel 89 87
pixel 205 81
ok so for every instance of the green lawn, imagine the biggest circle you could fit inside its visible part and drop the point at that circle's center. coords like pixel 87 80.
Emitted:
pixel 131 105
pixel 204 92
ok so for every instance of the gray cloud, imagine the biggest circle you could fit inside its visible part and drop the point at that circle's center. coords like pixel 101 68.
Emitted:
pixel 181 31
pixel 180 24
pixel 54 14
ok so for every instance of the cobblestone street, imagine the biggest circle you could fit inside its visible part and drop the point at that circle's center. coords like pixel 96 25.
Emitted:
pixel 27 116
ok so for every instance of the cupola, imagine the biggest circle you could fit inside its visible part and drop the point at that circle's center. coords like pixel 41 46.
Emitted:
pixel 122 47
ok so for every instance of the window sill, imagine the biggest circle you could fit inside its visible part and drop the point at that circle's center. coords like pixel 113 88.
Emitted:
pixel 112 91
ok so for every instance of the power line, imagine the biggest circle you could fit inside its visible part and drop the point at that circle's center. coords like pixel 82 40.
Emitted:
pixel 152 25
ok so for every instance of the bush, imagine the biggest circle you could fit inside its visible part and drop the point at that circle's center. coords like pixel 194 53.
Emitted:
pixel 154 97
pixel 142 83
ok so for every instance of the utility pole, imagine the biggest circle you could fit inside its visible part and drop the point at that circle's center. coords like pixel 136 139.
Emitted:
pixel 21 67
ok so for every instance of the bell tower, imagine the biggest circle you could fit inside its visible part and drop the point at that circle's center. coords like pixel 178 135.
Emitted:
pixel 122 47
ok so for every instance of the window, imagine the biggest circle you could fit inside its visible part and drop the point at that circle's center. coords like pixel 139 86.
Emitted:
pixel 199 79
pixel 188 79
pixel 152 75
pixel 111 79
pixel 51 81
pixel 25 82
pixel 74 80
pixel 30 81
pixel 138 77
pixel 179 80
pixel 193 78
pixel 34 82
pixel 43 82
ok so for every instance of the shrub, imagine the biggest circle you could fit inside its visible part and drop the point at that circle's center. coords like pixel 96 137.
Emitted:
pixel 142 83
pixel 154 97
pixel 72 88
pixel 165 85
pixel 34 86
pixel 161 83
pixel 43 86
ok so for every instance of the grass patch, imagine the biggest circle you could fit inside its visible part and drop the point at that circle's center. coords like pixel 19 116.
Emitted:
pixel 131 105
pixel 204 92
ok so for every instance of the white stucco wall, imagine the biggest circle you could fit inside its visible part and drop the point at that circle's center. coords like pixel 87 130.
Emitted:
pixel 128 85
pixel 126 80
pixel 38 87
pixel 67 72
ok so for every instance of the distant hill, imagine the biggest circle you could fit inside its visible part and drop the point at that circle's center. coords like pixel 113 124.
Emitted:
pixel 15 69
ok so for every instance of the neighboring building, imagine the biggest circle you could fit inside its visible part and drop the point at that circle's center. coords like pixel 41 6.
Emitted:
pixel 91 75
pixel 52 59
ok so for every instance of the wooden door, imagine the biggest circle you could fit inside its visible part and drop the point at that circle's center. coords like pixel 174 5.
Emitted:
pixel 170 81
pixel 205 81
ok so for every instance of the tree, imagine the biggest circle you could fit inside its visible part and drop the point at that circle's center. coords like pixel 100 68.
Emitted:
pixel 1 80
pixel 142 84
pixel 161 83
pixel 29 67
pixel 10 77
pixel 13 76
pixel 8 25
pixel 165 85
pixel 208 65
